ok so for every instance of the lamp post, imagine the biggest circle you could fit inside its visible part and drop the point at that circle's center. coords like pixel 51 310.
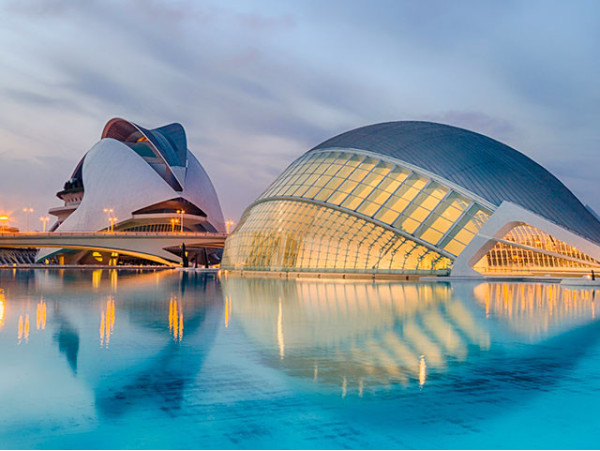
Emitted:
pixel 112 220
pixel 109 212
pixel 44 220
pixel 228 224
pixel 27 210
pixel 173 222
pixel 181 212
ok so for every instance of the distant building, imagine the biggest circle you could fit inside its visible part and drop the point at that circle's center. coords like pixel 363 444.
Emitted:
pixel 138 180
pixel 415 198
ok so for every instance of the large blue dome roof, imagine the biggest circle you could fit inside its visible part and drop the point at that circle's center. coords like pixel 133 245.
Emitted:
pixel 486 167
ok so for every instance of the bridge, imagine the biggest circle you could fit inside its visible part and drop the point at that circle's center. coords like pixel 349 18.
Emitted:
pixel 148 245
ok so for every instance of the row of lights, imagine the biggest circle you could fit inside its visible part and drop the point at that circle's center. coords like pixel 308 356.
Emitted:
pixel 5 218
pixel 112 219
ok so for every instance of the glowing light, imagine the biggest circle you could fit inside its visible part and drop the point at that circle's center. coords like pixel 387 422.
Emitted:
pixel 23 329
pixel 109 213
pixel 96 276
pixel 422 371
pixel 97 256
pixel 175 319
pixel 107 322
pixel 102 328
pixel 26 328
pixel 20 329
pixel 113 279
pixel 180 326
pixel 40 315
pixel 44 220
pixel 280 340
pixel 3 220
pixel 27 210
pixel 1 308
pixel 181 212
pixel 227 311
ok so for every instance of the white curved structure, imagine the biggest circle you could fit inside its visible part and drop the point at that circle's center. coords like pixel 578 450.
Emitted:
pixel 138 180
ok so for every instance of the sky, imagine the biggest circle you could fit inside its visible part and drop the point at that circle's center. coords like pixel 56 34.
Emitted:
pixel 258 83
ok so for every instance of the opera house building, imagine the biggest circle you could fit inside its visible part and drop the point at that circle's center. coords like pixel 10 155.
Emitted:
pixel 136 180
pixel 415 198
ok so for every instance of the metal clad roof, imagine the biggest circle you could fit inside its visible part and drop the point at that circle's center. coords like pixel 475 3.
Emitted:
pixel 488 168
pixel 160 138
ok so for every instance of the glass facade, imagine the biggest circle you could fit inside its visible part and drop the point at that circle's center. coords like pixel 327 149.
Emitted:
pixel 396 196
pixel 347 211
pixel 553 255
pixel 283 235
pixel 354 211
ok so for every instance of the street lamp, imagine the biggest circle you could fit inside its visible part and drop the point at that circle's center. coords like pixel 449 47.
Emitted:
pixel 181 212
pixel 173 222
pixel 27 210
pixel 3 220
pixel 109 212
pixel 112 220
pixel 44 220
pixel 228 224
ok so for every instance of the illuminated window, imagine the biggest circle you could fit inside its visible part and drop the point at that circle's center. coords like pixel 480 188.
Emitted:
pixel 555 256
pixel 299 236
pixel 311 237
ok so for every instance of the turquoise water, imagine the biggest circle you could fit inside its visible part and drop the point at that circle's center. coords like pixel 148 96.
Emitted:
pixel 107 359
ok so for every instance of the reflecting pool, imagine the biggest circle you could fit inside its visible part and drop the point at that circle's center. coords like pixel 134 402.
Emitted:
pixel 168 359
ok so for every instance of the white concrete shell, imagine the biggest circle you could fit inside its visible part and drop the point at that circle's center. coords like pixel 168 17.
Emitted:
pixel 118 178
pixel 115 176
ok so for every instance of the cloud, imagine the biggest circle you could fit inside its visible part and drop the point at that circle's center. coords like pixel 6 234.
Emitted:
pixel 256 86
pixel 476 121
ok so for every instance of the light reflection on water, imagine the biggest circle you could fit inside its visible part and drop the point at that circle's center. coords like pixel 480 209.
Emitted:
pixel 125 359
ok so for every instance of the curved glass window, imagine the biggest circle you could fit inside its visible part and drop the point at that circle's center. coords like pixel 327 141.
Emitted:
pixel 289 235
pixel 395 195
pixel 528 249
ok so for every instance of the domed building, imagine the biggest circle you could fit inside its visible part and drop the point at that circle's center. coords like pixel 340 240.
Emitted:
pixel 416 198
pixel 136 180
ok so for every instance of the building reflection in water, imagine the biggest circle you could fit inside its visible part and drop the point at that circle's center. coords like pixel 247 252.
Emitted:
pixel 151 374
pixel 107 322
pixel 348 336
pixel 159 377
pixel 96 278
pixel 40 315
pixel 227 311
pixel 175 319
pixel 23 329
pixel 67 338
pixel 364 335
pixel 359 334
pixel 536 310
pixel 2 307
